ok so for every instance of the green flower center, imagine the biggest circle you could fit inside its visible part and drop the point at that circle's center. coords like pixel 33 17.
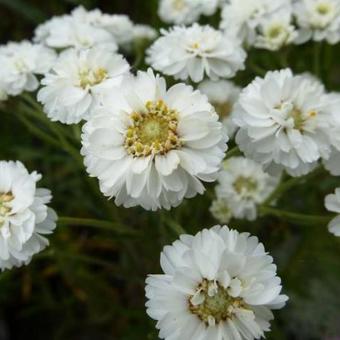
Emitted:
pixel 223 109
pixel 323 8
pixel 212 303
pixel 245 185
pixel 153 131
pixel 88 77
pixel 5 210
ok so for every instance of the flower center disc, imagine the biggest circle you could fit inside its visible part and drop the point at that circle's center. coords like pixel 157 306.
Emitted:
pixel 89 77
pixel 245 184
pixel 4 208
pixel 152 132
pixel 212 303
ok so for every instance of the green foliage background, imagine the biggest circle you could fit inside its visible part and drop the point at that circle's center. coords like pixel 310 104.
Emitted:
pixel 90 283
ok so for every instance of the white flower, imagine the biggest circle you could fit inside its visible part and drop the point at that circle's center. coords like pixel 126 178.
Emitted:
pixel 332 203
pixel 242 17
pixel 222 94
pixel 24 215
pixel 318 19
pixel 332 162
pixel 276 31
pixel 178 11
pixel 192 52
pixel 244 184
pixel 20 63
pixel 73 87
pixel 144 32
pixel 152 147
pixel 66 32
pixel 284 121
pixel 218 284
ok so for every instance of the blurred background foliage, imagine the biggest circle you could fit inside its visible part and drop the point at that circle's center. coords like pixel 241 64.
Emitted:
pixel 90 283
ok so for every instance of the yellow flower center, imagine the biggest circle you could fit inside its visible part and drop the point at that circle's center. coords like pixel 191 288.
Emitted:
pixel 178 5
pixel 5 210
pixel 275 31
pixel 323 8
pixel 213 304
pixel 244 185
pixel 152 132
pixel 88 77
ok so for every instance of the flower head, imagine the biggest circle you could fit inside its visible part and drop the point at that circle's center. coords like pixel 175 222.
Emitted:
pixel 223 95
pixel 24 215
pixel 192 52
pixel 218 284
pixel 318 19
pixel 243 185
pixel 72 88
pixel 20 63
pixel 151 146
pixel 332 203
pixel 284 121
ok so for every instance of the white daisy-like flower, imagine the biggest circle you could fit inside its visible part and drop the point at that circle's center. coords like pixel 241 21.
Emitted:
pixel 241 18
pixel 75 83
pixel 218 284
pixel 223 95
pixel 21 63
pixel 284 121
pixel 178 11
pixel 152 147
pixel 24 215
pixel 245 185
pixel 276 31
pixel 318 20
pixel 192 52
pixel 332 203
pixel 332 162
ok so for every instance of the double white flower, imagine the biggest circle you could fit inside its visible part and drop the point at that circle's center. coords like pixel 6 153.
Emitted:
pixel 20 65
pixel 24 215
pixel 152 147
pixel 77 80
pixel 332 203
pixel 242 185
pixel 285 122
pixel 218 284
pixel 195 51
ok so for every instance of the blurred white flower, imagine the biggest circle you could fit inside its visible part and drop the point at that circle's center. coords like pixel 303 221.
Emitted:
pixel 241 18
pixel 144 32
pixel 318 20
pixel 24 215
pixel 284 121
pixel 73 87
pixel 222 94
pixel 276 31
pixel 220 209
pixel 185 11
pixel 192 52
pixel 20 63
pixel 244 184
pixel 332 203
pixel 152 147
pixel 218 284
pixel 66 32
pixel 332 162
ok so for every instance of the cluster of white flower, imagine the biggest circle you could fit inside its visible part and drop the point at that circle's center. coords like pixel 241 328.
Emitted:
pixel 286 122
pixel 152 147
pixel 24 215
pixel 218 284
pixel 242 185
pixel 271 24
pixel 85 29
pixel 191 52
pixel 186 11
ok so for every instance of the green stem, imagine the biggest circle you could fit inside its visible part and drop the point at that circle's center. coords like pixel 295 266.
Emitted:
pixel 94 223
pixel 302 219
pixel 235 151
